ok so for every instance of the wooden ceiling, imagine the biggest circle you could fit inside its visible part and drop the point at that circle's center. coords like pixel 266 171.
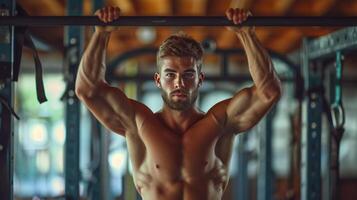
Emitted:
pixel 282 40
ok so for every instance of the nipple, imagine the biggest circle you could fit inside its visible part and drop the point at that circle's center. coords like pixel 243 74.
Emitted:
pixel 160 190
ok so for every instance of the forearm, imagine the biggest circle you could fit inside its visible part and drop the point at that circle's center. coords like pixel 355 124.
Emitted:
pixel 92 66
pixel 260 65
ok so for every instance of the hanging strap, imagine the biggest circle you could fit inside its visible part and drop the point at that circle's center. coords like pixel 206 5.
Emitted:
pixel 19 34
pixel 23 37
pixel 41 96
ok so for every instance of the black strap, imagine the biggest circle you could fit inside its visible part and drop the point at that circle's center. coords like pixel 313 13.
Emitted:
pixel 19 34
pixel 19 43
pixel 41 96
pixel 23 37
pixel 8 107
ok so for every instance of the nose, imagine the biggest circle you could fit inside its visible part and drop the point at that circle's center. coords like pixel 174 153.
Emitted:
pixel 179 82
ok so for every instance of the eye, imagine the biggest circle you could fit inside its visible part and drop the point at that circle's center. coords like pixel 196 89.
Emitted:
pixel 169 75
pixel 188 75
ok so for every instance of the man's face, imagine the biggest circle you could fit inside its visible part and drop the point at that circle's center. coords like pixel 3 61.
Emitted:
pixel 179 80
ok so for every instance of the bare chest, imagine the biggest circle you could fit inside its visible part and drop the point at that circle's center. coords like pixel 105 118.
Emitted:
pixel 187 156
pixel 180 164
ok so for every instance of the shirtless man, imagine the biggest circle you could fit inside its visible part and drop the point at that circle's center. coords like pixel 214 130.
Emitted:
pixel 178 153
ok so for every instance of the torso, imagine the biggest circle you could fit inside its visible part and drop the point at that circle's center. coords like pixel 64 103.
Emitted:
pixel 192 165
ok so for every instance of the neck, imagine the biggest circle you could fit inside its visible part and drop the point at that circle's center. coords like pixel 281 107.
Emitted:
pixel 180 120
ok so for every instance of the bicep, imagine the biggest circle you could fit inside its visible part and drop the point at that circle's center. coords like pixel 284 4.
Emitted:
pixel 246 109
pixel 111 107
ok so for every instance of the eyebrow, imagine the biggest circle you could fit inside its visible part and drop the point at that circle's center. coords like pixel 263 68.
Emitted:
pixel 186 71
pixel 169 70
pixel 190 70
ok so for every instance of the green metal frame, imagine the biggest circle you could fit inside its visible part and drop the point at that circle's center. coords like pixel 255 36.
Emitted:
pixel 265 172
pixel 74 43
pixel 315 52
pixel 311 138
pixel 6 93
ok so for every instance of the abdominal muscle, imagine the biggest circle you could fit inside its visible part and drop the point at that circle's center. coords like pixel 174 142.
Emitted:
pixel 160 186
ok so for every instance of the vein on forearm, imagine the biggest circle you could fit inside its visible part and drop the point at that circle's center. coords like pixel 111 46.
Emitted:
pixel 93 65
pixel 259 61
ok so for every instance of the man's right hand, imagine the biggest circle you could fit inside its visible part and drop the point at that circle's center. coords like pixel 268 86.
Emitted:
pixel 107 14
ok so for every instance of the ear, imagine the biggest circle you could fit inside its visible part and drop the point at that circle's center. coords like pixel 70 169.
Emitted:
pixel 157 80
pixel 201 77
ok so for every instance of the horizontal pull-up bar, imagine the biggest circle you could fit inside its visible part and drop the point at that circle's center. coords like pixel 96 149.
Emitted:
pixel 43 21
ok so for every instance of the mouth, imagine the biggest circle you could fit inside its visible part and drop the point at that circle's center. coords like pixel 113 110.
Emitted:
pixel 179 94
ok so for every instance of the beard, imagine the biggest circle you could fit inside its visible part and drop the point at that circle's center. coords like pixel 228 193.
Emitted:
pixel 180 105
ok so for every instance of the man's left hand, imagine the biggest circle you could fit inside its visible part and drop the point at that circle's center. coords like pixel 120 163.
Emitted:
pixel 238 16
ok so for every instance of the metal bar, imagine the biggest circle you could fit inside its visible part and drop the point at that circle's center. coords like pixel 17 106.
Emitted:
pixel 41 21
pixel 74 43
pixel 99 154
pixel 6 144
pixel 101 187
pixel 326 46
pixel 6 92
pixel 243 181
pixel 265 175
pixel 326 175
pixel 311 136
pixel 224 65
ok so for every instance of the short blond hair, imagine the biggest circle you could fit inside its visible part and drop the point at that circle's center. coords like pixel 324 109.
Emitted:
pixel 181 45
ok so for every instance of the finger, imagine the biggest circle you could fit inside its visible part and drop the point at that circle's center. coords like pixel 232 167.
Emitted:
pixel 97 13
pixel 245 17
pixel 113 11
pixel 235 19
pixel 242 16
pixel 236 16
pixel 107 12
pixel 117 12
pixel 103 14
pixel 110 13
pixel 239 15
pixel 229 13
pixel 249 13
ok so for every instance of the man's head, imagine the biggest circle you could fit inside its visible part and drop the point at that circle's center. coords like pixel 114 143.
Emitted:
pixel 179 63
pixel 180 45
